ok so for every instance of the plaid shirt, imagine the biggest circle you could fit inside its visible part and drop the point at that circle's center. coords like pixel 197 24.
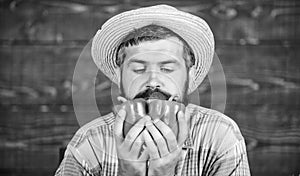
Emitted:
pixel 215 146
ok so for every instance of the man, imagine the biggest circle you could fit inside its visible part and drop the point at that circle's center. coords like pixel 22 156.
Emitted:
pixel 154 53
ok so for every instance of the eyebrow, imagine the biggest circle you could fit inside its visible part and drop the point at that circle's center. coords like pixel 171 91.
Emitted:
pixel 136 60
pixel 161 63
pixel 169 62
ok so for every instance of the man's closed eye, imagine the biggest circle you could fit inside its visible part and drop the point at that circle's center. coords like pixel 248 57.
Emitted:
pixel 167 69
pixel 139 70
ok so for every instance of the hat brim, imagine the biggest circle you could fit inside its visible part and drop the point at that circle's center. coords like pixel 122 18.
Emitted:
pixel 194 30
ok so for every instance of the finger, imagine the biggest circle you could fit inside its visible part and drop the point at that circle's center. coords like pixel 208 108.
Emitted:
pixel 118 128
pixel 150 145
pixel 134 132
pixel 121 99
pixel 167 133
pixel 136 147
pixel 144 154
pixel 183 128
pixel 158 139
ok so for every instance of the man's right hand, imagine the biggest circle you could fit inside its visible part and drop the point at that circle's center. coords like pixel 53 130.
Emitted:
pixel 132 159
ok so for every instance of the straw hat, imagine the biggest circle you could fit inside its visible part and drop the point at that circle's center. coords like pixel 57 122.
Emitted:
pixel 194 30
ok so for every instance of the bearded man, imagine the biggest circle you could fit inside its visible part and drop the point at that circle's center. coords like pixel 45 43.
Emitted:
pixel 157 56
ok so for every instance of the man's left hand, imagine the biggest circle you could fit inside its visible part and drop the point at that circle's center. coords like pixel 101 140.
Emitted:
pixel 163 147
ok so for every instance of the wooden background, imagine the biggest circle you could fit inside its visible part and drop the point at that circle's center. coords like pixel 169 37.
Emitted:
pixel 40 41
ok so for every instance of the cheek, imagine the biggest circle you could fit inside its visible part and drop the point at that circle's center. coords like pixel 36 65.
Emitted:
pixel 173 83
pixel 177 80
pixel 131 83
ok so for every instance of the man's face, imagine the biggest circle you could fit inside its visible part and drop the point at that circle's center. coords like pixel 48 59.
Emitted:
pixel 154 65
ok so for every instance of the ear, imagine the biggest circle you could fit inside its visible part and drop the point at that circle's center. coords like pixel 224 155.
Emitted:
pixel 192 72
pixel 118 76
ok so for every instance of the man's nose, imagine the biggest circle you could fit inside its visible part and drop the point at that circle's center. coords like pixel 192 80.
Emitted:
pixel 153 80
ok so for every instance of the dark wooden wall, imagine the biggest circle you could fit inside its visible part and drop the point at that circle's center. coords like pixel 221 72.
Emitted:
pixel 40 41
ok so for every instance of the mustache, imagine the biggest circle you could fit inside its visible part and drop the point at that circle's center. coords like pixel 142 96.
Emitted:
pixel 148 93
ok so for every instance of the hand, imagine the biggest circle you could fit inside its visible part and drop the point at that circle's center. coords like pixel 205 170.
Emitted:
pixel 163 147
pixel 131 157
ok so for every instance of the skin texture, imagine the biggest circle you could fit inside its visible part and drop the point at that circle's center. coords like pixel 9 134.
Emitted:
pixel 163 147
pixel 154 63
pixel 151 64
pixel 131 160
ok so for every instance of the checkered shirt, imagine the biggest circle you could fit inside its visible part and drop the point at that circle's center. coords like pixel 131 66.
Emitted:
pixel 215 146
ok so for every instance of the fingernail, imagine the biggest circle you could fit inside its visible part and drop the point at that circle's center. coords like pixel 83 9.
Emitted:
pixel 176 97
pixel 180 113
pixel 148 123
pixel 122 99
pixel 148 118
pixel 171 98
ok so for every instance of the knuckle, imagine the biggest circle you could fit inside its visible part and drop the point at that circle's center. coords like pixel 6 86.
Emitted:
pixel 160 142
pixel 129 137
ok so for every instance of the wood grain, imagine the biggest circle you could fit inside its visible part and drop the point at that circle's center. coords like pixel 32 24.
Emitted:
pixel 245 23
pixel 257 43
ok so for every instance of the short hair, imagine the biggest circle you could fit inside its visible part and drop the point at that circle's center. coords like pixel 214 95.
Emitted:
pixel 152 33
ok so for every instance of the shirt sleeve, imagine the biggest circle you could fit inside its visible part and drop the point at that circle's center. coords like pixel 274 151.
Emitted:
pixel 69 166
pixel 233 162
pixel 80 160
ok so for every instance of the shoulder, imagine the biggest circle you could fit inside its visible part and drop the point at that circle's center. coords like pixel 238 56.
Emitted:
pixel 213 128
pixel 90 142
pixel 209 116
pixel 96 127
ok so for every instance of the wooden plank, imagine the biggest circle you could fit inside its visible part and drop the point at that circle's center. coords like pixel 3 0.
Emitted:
pixel 36 127
pixel 244 23
pixel 260 61
pixel 267 124
pixel 273 137
pixel 39 63
pixel 28 138
pixel 43 74
pixel 283 161
pixel 274 160
pixel 44 133
pixel 41 41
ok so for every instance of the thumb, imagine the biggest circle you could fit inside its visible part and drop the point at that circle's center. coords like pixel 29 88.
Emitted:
pixel 118 125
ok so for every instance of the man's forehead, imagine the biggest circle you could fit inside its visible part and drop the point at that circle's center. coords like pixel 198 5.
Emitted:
pixel 171 47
